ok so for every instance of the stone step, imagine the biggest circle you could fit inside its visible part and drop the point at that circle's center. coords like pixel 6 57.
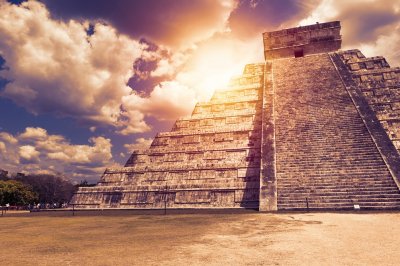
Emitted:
pixel 351 148
pixel 247 99
pixel 333 166
pixel 222 129
pixel 341 206
pixel 333 155
pixel 333 200
pixel 217 146
pixel 324 175
pixel 344 181
pixel 323 149
pixel 348 202
pixel 160 186
pixel 333 189
pixel 303 195
pixel 327 197
pixel 351 166
pixel 340 175
pixel 221 114
pixel 343 173
pixel 322 160
pixel 212 146
pixel 362 135
pixel 328 184
pixel 308 141
pixel 315 132
pixel 342 186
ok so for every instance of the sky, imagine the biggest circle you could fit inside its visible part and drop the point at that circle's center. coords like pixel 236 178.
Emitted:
pixel 83 83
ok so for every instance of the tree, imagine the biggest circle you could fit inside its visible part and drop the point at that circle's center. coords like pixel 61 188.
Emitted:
pixel 16 193
pixel 84 183
pixel 3 175
pixel 50 188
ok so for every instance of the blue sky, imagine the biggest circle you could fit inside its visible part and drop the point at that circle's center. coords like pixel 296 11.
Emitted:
pixel 83 83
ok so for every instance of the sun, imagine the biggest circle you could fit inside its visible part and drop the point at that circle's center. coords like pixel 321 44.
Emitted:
pixel 214 63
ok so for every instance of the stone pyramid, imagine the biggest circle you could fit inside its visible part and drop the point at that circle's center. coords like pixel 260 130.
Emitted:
pixel 312 127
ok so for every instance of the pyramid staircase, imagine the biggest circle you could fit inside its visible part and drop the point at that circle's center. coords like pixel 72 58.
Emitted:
pixel 325 155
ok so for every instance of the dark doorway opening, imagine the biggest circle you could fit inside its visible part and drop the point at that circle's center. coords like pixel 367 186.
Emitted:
pixel 298 53
pixel 113 199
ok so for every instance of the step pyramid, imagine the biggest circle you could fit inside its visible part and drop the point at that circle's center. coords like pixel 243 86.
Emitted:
pixel 312 127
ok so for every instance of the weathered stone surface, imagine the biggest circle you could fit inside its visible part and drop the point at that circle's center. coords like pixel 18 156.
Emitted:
pixel 380 85
pixel 309 127
pixel 301 41
pixel 210 159
pixel 324 152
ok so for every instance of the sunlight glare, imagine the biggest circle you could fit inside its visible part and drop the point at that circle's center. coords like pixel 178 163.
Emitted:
pixel 213 65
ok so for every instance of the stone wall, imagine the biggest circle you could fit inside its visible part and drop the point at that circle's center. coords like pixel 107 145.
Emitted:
pixel 380 85
pixel 313 39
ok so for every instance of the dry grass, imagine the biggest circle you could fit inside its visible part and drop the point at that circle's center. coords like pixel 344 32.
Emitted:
pixel 198 239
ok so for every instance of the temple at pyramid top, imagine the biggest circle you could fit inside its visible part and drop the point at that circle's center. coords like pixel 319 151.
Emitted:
pixel 301 41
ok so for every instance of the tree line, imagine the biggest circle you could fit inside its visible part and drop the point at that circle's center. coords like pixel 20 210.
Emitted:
pixel 28 189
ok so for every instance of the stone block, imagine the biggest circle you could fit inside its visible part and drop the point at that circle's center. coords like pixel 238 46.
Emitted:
pixel 187 197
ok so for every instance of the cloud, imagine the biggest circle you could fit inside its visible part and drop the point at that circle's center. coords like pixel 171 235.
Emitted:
pixel 8 138
pixel 373 25
pixel 190 76
pixel 387 45
pixel 35 133
pixel 57 67
pixel 140 143
pixel 29 153
pixel 3 150
pixel 178 23
pixel 167 101
pixel 252 18
pixel 36 151
pixel 168 66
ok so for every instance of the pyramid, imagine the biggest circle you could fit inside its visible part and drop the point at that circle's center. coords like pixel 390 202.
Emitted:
pixel 312 127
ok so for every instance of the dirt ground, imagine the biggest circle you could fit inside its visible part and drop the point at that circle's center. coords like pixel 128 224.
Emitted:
pixel 201 239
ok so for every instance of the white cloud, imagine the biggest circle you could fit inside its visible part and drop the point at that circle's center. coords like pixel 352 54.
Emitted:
pixel 324 12
pixel 55 67
pixel 29 153
pixel 168 100
pixel 386 45
pixel 373 26
pixel 54 154
pixel 35 133
pixel 140 143
pixel 168 66
pixel 3 150
pixel 8 138
pixel 193 76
